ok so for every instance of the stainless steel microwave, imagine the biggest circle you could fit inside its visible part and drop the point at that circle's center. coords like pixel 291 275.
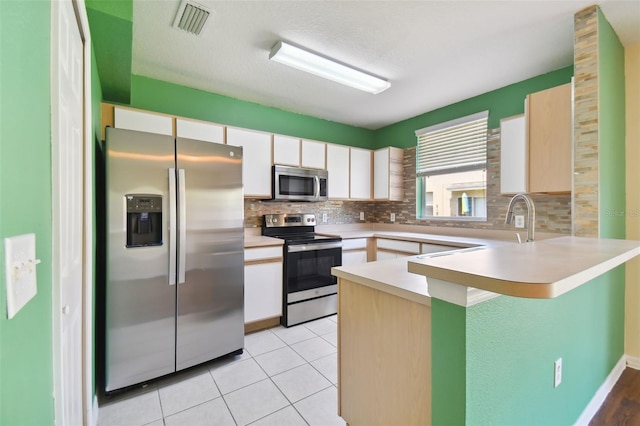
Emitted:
pixel 298 184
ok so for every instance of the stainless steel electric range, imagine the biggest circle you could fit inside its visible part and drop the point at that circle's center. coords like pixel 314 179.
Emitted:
pixel 309 289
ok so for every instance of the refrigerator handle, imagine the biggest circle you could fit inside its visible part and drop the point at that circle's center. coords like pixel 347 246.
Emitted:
pixel 172 226
pixel 182 228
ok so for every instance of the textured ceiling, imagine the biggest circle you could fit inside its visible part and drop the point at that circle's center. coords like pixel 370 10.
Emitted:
pixel 434 53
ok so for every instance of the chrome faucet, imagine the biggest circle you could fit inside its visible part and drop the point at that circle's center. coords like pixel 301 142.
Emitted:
pixel 531 214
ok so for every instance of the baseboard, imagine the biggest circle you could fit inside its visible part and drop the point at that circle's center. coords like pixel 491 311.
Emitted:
pixel 252 327
pixel 633 362
pixel 604 389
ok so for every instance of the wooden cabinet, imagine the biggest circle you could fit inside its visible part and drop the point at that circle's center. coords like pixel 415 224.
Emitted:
pixel 387 174
pixel 200 130
pixel 535 154
pixel 360 177
pixel 256 161
pixel 286 150
pixel 384 357
pixel 262 283
pixel 313 155
pixel 549 120
pixel 354 251
pixel 338 170
pixel 131 119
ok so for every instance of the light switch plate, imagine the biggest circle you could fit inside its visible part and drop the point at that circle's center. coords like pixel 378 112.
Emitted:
pixel 361 215
pixel 392 217
pixel 20 271
pixel 519 221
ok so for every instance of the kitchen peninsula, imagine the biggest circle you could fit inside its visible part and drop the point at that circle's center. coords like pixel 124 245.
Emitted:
pixel 477 341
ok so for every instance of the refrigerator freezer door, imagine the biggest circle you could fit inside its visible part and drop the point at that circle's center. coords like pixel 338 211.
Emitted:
pixel 210 317
pixel 140 303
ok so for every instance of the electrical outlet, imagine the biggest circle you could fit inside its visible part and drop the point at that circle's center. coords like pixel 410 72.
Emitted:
pixel 519 221
pixel 557 372
pixel 361 215
pixel 393 217
pixel 324 218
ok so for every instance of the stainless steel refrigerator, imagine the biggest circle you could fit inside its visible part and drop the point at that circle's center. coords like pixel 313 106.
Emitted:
pixel 175 255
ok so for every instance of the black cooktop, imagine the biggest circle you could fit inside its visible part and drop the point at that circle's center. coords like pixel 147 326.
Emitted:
pixel 294 229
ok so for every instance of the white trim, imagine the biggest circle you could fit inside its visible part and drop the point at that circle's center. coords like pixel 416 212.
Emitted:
pixel 633 362
pixel 55 257
pixel 600 396
pixel 90 403
pixel 458 294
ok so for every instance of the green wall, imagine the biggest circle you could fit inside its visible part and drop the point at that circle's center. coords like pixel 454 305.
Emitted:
pixel 112 46
pixel 26 383
pixel 500 103
pixel 611 131
pixel 111 26
pixel 511 345
pixel 156 95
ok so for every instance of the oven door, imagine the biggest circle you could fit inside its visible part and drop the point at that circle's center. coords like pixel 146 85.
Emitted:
pixel 308 266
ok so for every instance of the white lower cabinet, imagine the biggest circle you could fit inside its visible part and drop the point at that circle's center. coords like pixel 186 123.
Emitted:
pixel 354 257
pixel 354 251
pixel 436 248
pixel 392 249
pixel 262 286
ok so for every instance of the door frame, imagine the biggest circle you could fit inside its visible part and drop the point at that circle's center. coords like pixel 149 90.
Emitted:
pixel 90 401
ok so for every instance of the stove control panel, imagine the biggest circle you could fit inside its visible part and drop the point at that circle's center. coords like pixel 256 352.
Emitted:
pixel 289 219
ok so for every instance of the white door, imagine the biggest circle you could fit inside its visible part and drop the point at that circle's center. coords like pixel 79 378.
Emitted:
pixel 68 201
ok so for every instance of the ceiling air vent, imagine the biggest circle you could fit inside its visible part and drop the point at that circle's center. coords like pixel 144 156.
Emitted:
pixel 191 17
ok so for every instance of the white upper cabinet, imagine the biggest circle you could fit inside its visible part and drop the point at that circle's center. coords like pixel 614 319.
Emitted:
pixel 256 162
pixel 514 162
pixel 142 121
pixel 200 130
pixel 360 182
pixel 313 154
pixel 387 174
pixel 286 150
pixel 338 171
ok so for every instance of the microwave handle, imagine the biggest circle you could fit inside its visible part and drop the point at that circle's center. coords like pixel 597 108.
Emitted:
pixel 316 194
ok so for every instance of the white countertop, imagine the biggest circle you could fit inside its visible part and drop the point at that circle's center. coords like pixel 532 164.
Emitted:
pixel 252 241
pixel 390 276
pixel 542 269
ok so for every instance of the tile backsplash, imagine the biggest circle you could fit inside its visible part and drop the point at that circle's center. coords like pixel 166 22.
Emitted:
pixel 553 212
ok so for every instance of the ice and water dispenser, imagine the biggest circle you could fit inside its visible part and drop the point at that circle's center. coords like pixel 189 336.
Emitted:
pixel 144 220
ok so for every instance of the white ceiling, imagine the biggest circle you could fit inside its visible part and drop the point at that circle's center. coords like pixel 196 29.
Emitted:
pixel 434 53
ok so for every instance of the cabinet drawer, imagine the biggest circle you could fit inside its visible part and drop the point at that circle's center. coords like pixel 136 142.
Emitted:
pixel 354 244
pixel 260 253
pixel 397 245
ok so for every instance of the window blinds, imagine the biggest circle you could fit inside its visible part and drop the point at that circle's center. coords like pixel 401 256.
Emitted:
pixel 454 146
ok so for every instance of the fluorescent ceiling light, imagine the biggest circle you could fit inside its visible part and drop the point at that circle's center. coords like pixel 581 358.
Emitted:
pixel 326 68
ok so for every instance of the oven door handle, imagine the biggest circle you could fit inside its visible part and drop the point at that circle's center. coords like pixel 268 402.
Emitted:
pixel 311 247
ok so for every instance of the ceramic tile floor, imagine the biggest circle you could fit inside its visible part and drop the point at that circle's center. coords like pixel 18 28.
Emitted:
pixel 286 376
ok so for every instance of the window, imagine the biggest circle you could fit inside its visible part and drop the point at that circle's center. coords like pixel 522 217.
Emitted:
pixel 451 161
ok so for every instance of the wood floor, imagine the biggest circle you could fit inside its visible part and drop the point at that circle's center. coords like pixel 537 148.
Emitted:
pixel 622 406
